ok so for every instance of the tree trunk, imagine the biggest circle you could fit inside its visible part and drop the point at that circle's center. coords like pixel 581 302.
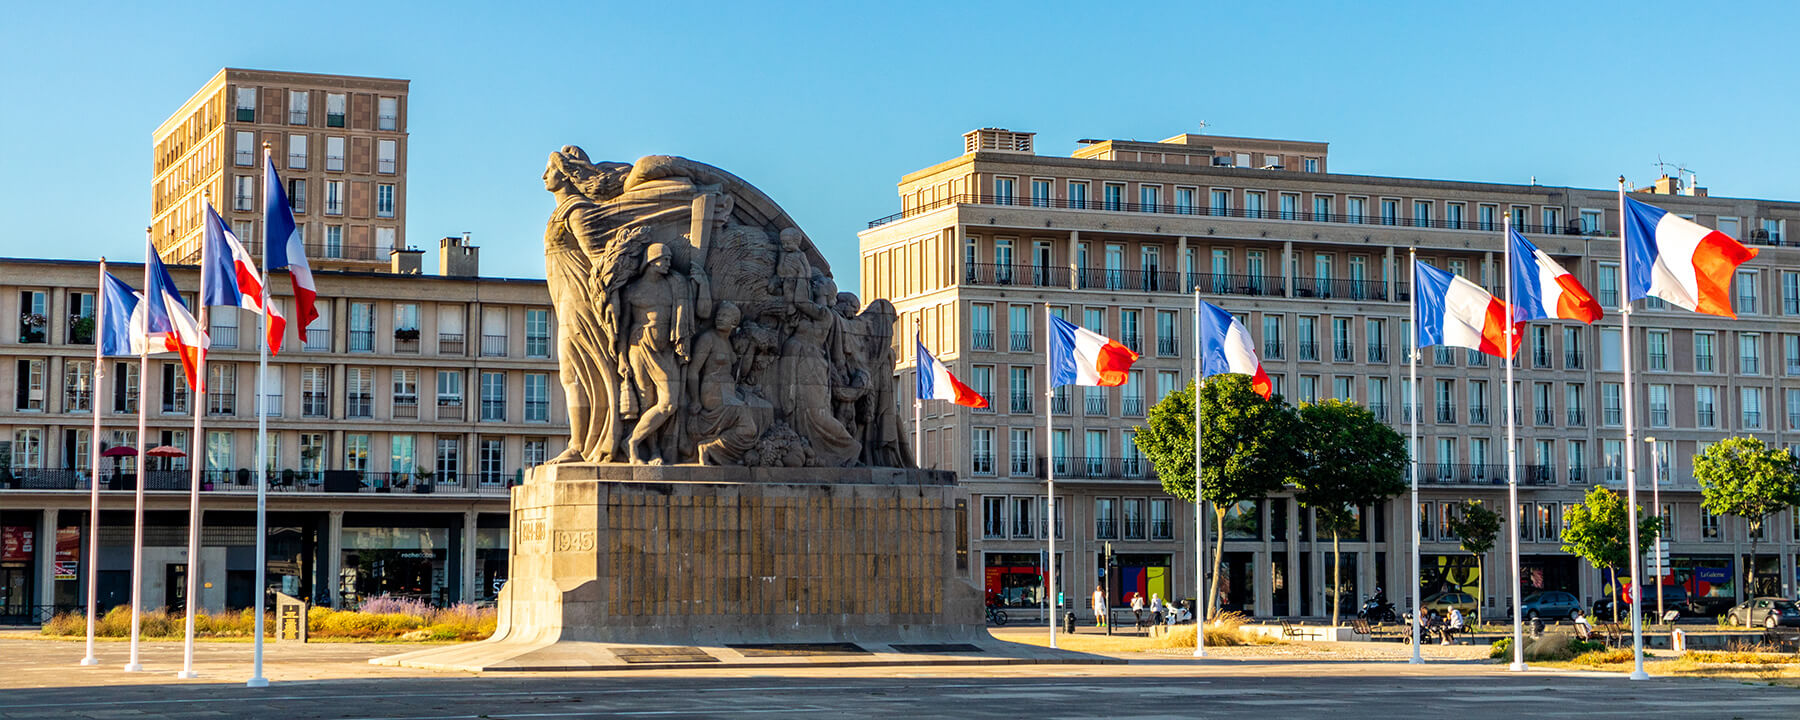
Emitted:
pixel 1337 573
pixel 1750 573
pixel 1212 593
pixel 1618 596
pixel 1480 587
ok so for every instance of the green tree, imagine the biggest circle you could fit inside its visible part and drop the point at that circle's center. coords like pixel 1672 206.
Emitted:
pixel 1478 527
pixel 1251 449
pixel 1599 531
pixel 1352 461
pixel 1744 477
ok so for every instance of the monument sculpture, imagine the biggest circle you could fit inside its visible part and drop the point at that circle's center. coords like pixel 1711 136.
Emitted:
pixel 736 475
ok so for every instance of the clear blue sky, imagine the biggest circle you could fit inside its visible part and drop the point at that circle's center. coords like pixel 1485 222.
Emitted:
pixel 826 105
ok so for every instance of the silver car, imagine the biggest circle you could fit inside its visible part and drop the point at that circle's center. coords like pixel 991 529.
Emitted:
pixel 1549 604
pixel 1769 612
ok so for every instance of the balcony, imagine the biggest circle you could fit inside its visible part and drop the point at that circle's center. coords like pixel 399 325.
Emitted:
pixel 1342 352
pixel 1380 411
pixel 1378 353
pixel 315 404
pixel 362 341
pixel 1446 413
pixel 1059 403
pixel 1611 416
pixel 272 405
pixel 1162 530
pixel 1477 415
pixel 1793 419
pixel 223 338
pixel 1543 416
pixel 1478 359
pixel 1134 528
pixel 1132 406
pixel 286 480
pixel 406 409
pixel 1309 350
pixel 1020 402
pixel 1094 405
pixel 1659 361
pixel 1577 418
pixel 1659 417
pixel 450 344
pixel 1021 341
pixel 1572 360
pixel 1443 356
pixel 1020 465
pixel 1462 473
pixel 1706 418
pixel 1015 275
pixel 493 346
pixel 1119 205
pixel 981 463
pixel 317 340
pixel 450 408
pixel 1577 476
pixel 1750 365
pixel 1022 527
pixel 1752 420
pixel 1540 358
pixel 1331 289
pixel 1135 342
pixel 359 405
pixel 1232 284
pixel 1106 529
pixel 1271 349
pixel 406 342
pixel 981 339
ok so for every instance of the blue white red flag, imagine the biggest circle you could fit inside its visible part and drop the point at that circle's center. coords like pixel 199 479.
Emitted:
pixel 1543 290
pixel 1225 347
pixel 120 306
pixel 1682 262
pixel 1079 356
pixel 936 383
pixel 1453 311
pixel 232 279
pixel 287 249
pixel 167 323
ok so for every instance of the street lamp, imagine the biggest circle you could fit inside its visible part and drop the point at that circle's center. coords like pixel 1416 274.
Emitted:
pixel 1656 502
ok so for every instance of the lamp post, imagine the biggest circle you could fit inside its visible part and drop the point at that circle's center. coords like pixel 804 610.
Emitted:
pixel 1656 502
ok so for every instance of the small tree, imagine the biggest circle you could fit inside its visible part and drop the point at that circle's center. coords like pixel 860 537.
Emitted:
pixel 1352 461
pixel 1599 531
pixel 1744 477
pixel 1478 528
pixel 1251 449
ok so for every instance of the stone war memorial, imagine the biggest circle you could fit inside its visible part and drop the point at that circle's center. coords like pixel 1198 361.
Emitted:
pixel 737 486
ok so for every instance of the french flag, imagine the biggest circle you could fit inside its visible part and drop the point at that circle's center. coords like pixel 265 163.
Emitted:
pixel 1225 347
pixel 1453 311
pixel 1079 356
pixel 1542 289
pixel 122 308
pixel 232 279
pixel 1682 262
pixel 287 249
pixel 936 383
pixel 168 324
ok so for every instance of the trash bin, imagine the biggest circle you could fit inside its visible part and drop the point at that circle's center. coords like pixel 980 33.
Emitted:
pixel 1069 622
pixel 290 618
pixel 1678 641
pixel 1537 627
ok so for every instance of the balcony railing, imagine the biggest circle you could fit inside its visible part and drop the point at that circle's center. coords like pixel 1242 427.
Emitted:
pixel 407 409
pixel 1446 413
pixel 1577 476
pixel 1611 416
pixel 1379 410
pixel 493 410
pixel 318 340
pixel 1577 418
pixel 362 341
pixel 1094 405
pixel 315 404
pixel 1015 275
pixel 1098 468
pixel 1195 210
pixel 450 344
pixel 1019 465
pixel 1132 406
pixel 1752 420
pixel 1106 529
pixel 1021 341
pixel 1540 358
pixel 449 408
pixel 1271 349
pixel 1572 360
pixel 1162 530
pixel 1477 415
pixel 493 346
pixel 1309 350
pixel 1020 402
pixel 359 405
pixel 1234 284
pixel 223 338
pixel 981 339
pixel 1543 416
pixel 1659 417
pixel 1342 352
pixel 291 480
pixel 1059 403
pixel 1705 418
pixel 1168 345
pixel 1378 353
pixel 1337 289
pixel 981 463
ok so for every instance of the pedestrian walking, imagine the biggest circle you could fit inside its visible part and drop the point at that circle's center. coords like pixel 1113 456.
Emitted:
pixel 1137 609
pixel 1099 606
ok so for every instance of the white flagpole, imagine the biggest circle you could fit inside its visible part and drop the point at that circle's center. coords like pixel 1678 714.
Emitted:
pixel 143 470
pixel 1412 339
pixel 918 404
pixel 1200 598
pixel 1631 511
pixel 262 456
pixel 1512 461
pixel 1050 476
pixel 197 468
pixel 93 575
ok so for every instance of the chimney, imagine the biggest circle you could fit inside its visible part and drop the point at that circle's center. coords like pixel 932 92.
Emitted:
pixel 998 140
pixel 457 258
pixel 406 261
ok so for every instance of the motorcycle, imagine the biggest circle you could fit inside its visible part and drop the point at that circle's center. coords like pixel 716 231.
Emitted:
pixel 1378 610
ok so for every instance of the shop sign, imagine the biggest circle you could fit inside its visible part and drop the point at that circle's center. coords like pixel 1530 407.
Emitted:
pixel 67 569
pixel 17 543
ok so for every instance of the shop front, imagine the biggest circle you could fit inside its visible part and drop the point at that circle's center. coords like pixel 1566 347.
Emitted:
pixel 404 562
pixel 18 566
pixel 1539 573
pixel 1710 581
pixel 491 545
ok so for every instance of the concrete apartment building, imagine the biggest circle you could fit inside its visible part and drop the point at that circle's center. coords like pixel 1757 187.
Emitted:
pixel 1115 236
pixel 339 142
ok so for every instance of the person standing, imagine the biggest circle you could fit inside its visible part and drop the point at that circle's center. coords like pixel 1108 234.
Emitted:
pixel 1099 606
pixel 1137 609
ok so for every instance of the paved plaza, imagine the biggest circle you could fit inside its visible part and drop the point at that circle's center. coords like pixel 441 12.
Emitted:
pixel 39 680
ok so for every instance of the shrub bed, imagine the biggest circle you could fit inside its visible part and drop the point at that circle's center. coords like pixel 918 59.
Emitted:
pixel 380 618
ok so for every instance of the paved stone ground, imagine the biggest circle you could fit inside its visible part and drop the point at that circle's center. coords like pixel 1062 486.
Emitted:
pixel 40 680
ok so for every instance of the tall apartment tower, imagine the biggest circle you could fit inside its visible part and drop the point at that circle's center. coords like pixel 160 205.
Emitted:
pixel 339 142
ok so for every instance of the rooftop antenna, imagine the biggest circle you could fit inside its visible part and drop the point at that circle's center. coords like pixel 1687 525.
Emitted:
pixel 1203 126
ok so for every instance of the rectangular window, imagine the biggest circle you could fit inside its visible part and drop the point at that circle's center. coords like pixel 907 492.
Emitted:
pixel 387 153
pixel 403 459
pixel 174 389
pixel 1611 409
pixel 1592 222
pixel 356 452
pixel 1487 217
pixel 537 333
pixel 362 327
pixel 537 397
pixel 218 452
pixel 1150 198
pixel 1185 200
pixel 1221 202
pixel 1271 339
pixel 1705 407
pixel 1307 337
pixel 536 452
pixel 334 197
pixel 359 392
pixel 297 196
pixel 334 109
pixel 221 389
pixel 296 153
pixel 493 397
pixel 1290 206
pixel 387 113
pixel 244 154
pixel 981 453
pixel 1790 353
pixel 1253 204
pixel 1748 301
pixel 1750 402
pixel 1606 285
pixel 246 104
pixel 125 387
pixel 406 393
pixel 1575 402
pixel 1018 380
pixel 981 327
pixel 315 391
pixel 1658 350
pixel 1106 518
pixel 1790 296
pixel 1659 406
pixel 1356 209
pixel 490 459
pixel 1552 220
pixel 1703 352
pixel 1019 451
pixel 384 200
pixel 1749 354
pixel 334 153
pixel 1422 213
pixel 1390 212
pixel 1310 164
pixel 1113 196
pixel 1610 350
pixel 1078 194
pixel 299 102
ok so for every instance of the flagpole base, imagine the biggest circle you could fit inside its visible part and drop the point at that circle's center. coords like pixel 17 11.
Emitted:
pixel 1639 674
pixel 1199 652
pixel 134 667
pixel 187 675
pixel 257 682
pixel 1518 667
pixel 90 661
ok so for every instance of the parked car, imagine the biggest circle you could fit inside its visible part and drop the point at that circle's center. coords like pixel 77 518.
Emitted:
pixel 1767 612
pixel 1674 597
pixel 1442 602
pixel 1549 604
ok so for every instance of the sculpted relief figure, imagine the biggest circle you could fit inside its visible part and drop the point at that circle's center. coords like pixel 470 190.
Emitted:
pixel 697 324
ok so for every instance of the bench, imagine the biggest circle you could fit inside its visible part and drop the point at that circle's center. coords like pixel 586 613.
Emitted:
pixel 1290 630
pixel 1610 634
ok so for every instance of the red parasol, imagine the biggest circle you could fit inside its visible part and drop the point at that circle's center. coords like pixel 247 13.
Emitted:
pixel 165 451
pixel 119 451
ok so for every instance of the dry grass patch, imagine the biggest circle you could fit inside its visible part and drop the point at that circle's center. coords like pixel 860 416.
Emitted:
pixel 1223 630
pixel 380 620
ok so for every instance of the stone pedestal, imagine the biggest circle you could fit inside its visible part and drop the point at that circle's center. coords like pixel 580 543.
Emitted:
pixel 631 565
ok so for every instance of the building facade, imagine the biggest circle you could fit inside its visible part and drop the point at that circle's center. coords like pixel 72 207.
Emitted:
pixel 397 423
pixel 1314 262
pixel 339 142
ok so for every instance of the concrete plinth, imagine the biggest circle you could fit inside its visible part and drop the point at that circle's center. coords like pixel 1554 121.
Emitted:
pixel 627 566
